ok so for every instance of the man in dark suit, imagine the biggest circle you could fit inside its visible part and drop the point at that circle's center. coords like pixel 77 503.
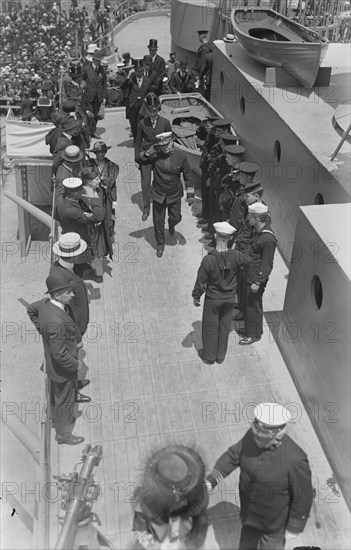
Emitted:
pixel 167 188
pixel 53 320
pixel 182 80
pixel 149 127
pixel 201 66
pixel 138 86
pixel 94 84
pixel 275 486
pixel 151 74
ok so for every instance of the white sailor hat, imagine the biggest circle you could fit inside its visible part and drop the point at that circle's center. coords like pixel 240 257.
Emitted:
pixel 69 245
pixel 224 228
pixel 271 415
pixel 72 183
pixel 257 208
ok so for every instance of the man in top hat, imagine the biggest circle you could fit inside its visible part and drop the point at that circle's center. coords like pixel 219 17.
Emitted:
pixel 94 84
pixel 204 49
pixel 182 80
pixel 217 277
pixel 167 188
pixel 54 321
pixel 150 73
pixel 158 63
pixel 138 86
pixel 261 252
pixel 73 108
pixel 149 127
pixel 275 486
pixel 172 500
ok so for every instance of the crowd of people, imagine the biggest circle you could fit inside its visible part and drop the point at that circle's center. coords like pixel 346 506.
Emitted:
pixel 232 276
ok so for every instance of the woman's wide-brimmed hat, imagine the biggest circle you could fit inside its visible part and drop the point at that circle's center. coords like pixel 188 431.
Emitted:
pixel 99 146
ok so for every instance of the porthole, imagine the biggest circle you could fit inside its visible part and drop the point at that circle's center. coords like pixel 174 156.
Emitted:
pixel 316 292
pixel 277 151
pixel 319 199
pixel 242 105
pixel 221 79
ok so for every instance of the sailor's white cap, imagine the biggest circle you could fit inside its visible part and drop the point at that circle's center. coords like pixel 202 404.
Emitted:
pixel 224 228
pixel 72 183
pixel 272 415
pixel 258 208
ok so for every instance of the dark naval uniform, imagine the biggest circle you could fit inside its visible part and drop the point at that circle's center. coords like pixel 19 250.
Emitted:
pixel 261 251
pixel 167 190
pixel 217 277
pixel 275 489
pixel 201 67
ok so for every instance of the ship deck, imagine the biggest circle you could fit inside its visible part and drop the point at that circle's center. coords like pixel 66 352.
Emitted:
pixel 148 386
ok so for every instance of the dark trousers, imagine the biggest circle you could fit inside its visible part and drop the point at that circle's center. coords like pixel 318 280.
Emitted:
pixel 253 311
pixel 63 410
pixel 251 539
pixel 94 107
pixel 240 288
pixel 159 216
pixel 205 191
pixel 145 177
pixel 133 117
pixel 216 322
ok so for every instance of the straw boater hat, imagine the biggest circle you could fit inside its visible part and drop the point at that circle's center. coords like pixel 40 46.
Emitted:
pixel 72 153
pixel 69 245
pixel 173 484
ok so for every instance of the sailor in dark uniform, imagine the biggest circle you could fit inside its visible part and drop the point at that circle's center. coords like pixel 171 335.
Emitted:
pixel 261 252
pixel 217 278
pixel 275 480
pixel 230 183
pixel 201 65
pixel 246 177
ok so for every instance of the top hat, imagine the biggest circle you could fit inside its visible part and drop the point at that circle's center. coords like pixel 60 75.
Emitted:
pixel 174 483
pixel 69 245
pixel 72 153
pixel 58 281
pixel 99 146
pixel 125 55
pixel 152 100
pixel 138 63
pixel 152 43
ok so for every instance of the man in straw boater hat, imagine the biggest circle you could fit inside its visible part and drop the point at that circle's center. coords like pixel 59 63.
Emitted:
pixel 275 486
pixel 167 188
pixel 172 500
pixel 54 321
pixel 217 277
pixel 149 127
pixel 94 84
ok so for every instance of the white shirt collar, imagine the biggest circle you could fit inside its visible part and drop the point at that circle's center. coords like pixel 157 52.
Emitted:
pixel 58 304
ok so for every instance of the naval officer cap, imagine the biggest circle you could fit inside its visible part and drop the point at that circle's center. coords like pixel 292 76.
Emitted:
pixel 164 138
pixel 224 229
pixel 247 167
pixel 257 208
pixel 271 415
pixel 229 138
pixel 234 150
pixel 203 31
pixel 222 122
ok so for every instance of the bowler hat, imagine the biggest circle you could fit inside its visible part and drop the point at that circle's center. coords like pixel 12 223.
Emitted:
pixel 70 123
pixel 68 106
pixel 173 481
pixel 99 146
pixel 152 43
pixel 147 59
pixel 72 153
pixel 97 55
pixel 69 245
pixel 58 281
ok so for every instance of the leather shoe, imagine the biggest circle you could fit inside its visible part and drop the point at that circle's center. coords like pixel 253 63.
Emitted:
pixel 171 230
pixel 238 317
pixel 200 354
pixel 95 136
pixel 81 398
pixel 69 439
pixel 241 332
pixel 247 341
pixel 145 215
pixel 159 252
pixel 82 383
